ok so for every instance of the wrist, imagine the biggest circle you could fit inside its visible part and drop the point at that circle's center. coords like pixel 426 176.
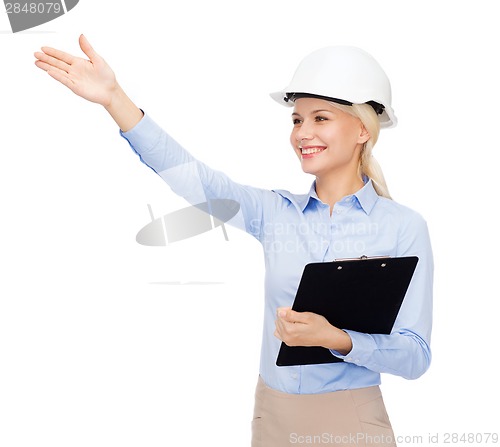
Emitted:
pixel 115 97
pixel 339 341
pixel 121 108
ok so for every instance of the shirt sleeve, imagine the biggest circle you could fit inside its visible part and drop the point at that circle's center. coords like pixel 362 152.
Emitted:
pixel 406 351
pixel 192 179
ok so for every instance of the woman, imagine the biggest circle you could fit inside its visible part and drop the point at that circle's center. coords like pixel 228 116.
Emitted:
pixel 341 98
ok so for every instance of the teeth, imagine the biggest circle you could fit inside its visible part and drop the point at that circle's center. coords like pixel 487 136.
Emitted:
pixel 311 150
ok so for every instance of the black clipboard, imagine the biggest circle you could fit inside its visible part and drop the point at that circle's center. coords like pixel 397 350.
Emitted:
pixel 363 295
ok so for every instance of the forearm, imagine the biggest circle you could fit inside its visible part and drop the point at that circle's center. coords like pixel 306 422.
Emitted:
pixel 192 179
pixel 402 354
pixel 121 108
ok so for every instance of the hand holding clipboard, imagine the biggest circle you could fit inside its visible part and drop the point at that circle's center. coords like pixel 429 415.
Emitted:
pixel 363 295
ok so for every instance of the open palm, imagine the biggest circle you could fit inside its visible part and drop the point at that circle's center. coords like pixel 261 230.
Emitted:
pixel 92 79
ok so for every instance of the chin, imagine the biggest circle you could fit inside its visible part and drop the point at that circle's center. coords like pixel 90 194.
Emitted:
pixel 309 168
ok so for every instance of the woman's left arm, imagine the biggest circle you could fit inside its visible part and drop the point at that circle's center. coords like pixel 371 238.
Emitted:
pixel 406 351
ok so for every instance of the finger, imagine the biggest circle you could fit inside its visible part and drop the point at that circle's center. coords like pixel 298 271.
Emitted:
pixel 52 61
pixel 284 328
pixel 46 67
pixel 87 48
pixel 280 328
pixel 58 54
pixel 277 325
pixel 62 77
pixel 42 65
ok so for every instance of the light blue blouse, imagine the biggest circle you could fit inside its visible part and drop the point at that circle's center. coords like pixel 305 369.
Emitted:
pixel 296 229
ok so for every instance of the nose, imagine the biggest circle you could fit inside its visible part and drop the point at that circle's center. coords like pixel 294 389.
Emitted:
pixel 303 132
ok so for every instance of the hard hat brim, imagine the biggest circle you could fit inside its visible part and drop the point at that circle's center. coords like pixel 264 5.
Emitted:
pixel 387 118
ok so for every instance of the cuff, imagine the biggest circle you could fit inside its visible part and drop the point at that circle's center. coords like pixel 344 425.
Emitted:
pixel 144 135
pixel 363 346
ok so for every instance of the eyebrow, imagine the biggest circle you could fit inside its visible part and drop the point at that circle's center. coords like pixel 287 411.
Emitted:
pixel 314 111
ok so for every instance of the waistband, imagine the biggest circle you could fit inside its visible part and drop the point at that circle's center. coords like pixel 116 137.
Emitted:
pixel 358 395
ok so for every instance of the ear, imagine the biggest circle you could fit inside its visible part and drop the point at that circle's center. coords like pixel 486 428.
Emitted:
pixel 364 135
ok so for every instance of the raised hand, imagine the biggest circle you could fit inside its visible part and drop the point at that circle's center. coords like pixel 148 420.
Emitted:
pixel 92 79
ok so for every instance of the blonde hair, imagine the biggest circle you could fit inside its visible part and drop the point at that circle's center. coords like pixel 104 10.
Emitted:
pixel 367 164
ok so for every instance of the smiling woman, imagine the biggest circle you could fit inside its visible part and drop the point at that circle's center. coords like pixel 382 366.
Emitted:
pixel 341 98
pixel 363 81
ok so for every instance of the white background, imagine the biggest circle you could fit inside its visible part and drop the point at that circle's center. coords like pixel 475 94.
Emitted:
pixel 97 347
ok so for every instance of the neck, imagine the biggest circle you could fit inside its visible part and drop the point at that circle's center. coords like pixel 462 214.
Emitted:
pixel 330 189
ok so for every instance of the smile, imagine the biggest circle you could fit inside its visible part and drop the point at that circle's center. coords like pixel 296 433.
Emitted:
pixel 311 150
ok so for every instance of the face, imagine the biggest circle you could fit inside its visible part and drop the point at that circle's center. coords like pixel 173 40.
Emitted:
pixel 326 139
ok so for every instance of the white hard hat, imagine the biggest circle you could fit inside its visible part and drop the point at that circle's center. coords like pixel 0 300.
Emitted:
pixel 343 74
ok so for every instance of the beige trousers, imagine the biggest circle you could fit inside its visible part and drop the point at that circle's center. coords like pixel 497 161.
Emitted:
pixel 354 418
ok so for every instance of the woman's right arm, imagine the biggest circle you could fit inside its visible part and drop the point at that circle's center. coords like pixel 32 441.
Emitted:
pixel 92 79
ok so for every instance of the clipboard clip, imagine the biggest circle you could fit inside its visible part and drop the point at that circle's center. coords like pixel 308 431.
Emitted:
pixel 362 258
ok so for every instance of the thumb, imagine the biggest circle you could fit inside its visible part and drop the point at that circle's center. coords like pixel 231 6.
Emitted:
pixel 292 316
pixel 287 314
pixel 87 48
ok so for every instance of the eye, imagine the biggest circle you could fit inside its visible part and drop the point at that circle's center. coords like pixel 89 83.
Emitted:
pixel 296 121
pixel 320 118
